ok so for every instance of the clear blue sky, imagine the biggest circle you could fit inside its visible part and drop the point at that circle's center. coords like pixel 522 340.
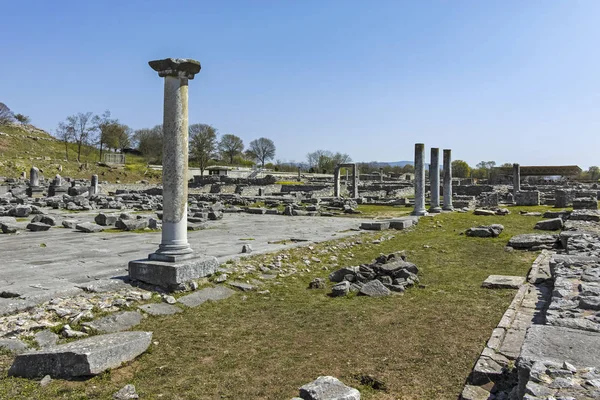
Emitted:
pixel 510 81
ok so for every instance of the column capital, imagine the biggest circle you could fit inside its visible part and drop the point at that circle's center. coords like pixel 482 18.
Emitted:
pixel 177 67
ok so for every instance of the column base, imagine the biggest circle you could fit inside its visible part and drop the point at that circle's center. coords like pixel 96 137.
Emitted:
pixel 448 208
pixel 172 275
pixel 435 210
pixel 420 213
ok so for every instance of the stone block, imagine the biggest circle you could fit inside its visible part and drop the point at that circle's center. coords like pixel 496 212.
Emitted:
pixel 38 227
pixel 530 240
pixel 160 309
pixel 201 296
pixel 82 358
pixel 105 219
pixel 116 322
pixel 374 289
pixel 172 275
pixel 527 198
pixel 375 225
pixel 553 224
pixel 401 223
pixel 328 388
pixel 89 227
pixel 503 282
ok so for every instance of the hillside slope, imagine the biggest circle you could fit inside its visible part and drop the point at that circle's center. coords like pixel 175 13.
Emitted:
pixel 24 146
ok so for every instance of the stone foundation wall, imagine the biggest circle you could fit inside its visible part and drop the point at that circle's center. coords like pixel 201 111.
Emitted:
pixel 528 198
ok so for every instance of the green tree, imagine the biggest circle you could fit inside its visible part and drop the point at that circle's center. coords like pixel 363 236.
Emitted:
pixel 460 169
pixel 231 146
pixel 203 144
pixel 150 143
pixel 262 149
pixel 594 173
pixel 23 119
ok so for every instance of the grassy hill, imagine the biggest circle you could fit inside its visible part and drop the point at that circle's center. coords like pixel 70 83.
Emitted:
pixel 24 146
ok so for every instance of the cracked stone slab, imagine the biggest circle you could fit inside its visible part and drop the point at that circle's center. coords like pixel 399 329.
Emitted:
pixel 14 345
pixel 201 296
pixel 86 357
pixel 558 344
pixel 503 282
pixel 116 322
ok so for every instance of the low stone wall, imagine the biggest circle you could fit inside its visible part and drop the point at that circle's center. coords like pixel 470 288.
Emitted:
pixel 471 190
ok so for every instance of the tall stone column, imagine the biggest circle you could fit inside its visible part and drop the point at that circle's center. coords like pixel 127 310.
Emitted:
pixel 34 177
pixel 434 180
pixel 174 263
pixel 354 181
pixel 516 179
pixel 419 180
pixel 447 206
pixel 336 182
pixel 380 174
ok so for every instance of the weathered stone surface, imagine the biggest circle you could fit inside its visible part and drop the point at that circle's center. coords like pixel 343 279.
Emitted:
pixel 127 392
pixel 529 240
pixel 46 338
pixel 340 289
pixel 558 344
pixel 375 225
pixel 201 296
pixel 401 223
pixel 105 219
pixel 86 357
pixel 246 248
pixel 485 231
pixel 116 322
pixel 69 223
pixel 553 224
pixel 338 276
pixel 172 275
pixel 481 211
pixel 7 227
pixel 243 286
pixel 160 309
pixel 503 282
pixel 317 283
pixel 38 227
pixel 328 388
pixel 14 345
pixel 131 224
pixel 471 392
pixel 89 227
pixel 374 289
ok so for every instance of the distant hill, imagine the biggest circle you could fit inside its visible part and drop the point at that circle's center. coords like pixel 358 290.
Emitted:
pixel 24 146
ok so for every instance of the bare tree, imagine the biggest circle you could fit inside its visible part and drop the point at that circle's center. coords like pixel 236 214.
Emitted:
pixel 230 146
pixel 6 115
pixel 83 126
pixel 203 144
pixel 263 149
pixel 325 161
pixel 65 133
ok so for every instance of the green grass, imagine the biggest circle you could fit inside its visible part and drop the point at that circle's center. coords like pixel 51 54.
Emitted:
pixel 19 151
pixel 422 344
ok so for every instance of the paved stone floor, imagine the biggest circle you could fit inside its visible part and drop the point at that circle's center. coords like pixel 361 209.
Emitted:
pixel 37 266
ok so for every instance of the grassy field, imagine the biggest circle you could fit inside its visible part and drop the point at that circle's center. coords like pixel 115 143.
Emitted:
pixel 422 344
pixel 21 149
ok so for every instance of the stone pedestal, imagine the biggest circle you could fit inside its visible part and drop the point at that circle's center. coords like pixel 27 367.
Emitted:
pixel 447 206
pixel 419 180
pixel 94 186
pixel 434 181
pixel 174 262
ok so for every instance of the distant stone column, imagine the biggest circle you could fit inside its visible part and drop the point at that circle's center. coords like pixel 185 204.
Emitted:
pixel 419 180
pixel 447 206
pixel 34 177
pixel 354 181
pixel 434 180
pixel 380 174
pixel 516 179
pixel 336 182
pixel 94 185
pixel 174 263
pixel 299 175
